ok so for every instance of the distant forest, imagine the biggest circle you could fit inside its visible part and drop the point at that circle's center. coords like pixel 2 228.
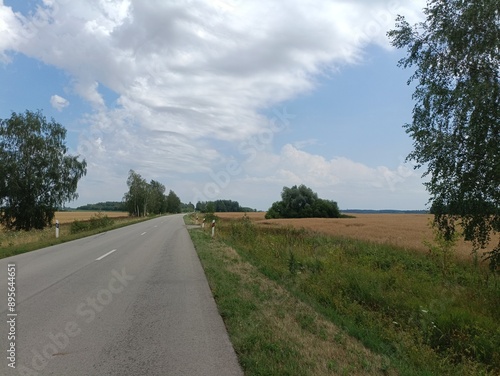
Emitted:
pixel 362 211
pixel 221 206
pixel 104 206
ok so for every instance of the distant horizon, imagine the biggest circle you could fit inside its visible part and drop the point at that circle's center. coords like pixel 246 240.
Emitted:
pixel 260 210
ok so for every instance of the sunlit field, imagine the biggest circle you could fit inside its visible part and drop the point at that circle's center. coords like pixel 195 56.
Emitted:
pixel 409 231
pixel 70 216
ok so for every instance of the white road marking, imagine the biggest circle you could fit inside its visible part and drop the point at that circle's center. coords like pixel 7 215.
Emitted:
pixel 107 254
pixel 144 233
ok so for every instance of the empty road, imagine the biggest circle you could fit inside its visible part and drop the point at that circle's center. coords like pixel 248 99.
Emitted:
pixel 133 301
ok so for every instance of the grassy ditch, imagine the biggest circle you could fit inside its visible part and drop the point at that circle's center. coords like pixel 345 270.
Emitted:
pixel 411 317
pixel 273 332
pixel 17 242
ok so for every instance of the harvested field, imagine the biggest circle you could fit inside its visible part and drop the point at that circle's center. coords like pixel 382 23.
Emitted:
pixel 408 231
pixel 70 216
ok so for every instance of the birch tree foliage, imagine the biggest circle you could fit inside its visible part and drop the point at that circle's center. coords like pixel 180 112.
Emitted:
pixel 455 54
pixel 37 176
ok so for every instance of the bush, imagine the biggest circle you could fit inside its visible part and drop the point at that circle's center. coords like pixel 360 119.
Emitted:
pixel 96 222
pixel 302 202
pixel 99 221
pixel 78 226
pixel 209 217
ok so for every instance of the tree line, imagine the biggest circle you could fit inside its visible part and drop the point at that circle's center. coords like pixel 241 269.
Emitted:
pixel 145 198
pixel 105 206
pixel 221 206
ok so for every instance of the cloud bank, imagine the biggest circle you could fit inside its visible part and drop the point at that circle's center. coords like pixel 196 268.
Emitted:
pixel 192 77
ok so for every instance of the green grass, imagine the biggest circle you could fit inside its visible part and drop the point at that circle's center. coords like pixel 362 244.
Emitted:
pixel 399 304
pixel 273 332
pixel 16 242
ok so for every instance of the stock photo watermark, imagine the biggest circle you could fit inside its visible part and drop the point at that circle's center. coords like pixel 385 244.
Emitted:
pixel 45 14
pixel 380 22
pixel 11 315
pixel 86 313
pixel 249 148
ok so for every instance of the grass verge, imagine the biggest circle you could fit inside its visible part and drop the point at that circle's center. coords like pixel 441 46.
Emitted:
pixel 273 332
pixel 409 315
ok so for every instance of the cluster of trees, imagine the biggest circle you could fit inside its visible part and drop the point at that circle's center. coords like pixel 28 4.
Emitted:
pixel 36 174
pixel 145 198
pixel 456 118
pixel 222 206
pixel 302 202
pixel 105 206
pixel 187 208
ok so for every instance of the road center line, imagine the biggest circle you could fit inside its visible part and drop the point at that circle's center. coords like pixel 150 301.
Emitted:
pixel 143 233
pixel 107 254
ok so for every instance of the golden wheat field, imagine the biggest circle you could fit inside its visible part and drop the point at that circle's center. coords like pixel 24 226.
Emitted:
pixel 409 231
pixel 68 217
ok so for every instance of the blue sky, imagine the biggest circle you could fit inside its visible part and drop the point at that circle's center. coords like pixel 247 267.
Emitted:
pixel 221 98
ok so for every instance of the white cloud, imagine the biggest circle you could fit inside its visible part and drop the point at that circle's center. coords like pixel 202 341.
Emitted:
pixel 9 29
pixel 198 66
pixel 188 73
pixel 294 166
pixel 59 103
pixel 305 143
pixel 352 184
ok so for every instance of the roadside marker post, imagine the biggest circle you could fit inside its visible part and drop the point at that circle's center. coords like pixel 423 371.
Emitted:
pixel 57 228
pixel 213 228
pixel 203 223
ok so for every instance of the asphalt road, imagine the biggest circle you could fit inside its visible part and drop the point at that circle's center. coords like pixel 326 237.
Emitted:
pixel 133 301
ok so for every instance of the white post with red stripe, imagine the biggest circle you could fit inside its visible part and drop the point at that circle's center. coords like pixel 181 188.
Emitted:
pixel 213 228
